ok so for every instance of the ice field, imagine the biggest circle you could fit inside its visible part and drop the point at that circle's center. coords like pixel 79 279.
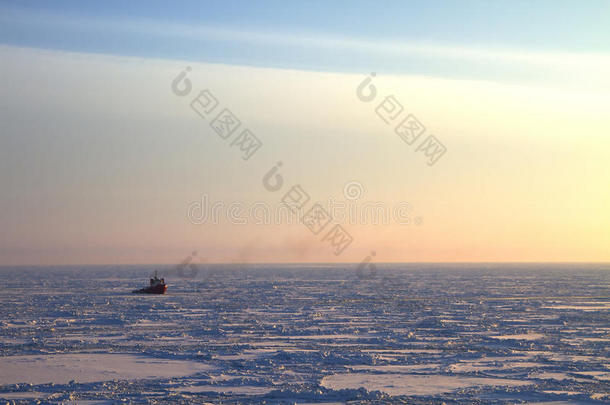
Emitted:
pixel 417 334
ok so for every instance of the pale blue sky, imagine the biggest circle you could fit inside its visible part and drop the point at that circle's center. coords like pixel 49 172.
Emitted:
pixel 341 36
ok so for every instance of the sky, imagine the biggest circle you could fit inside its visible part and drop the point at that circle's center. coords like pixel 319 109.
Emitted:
pixel 104 160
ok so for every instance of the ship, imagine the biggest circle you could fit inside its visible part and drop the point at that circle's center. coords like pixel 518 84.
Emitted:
pixel 157 286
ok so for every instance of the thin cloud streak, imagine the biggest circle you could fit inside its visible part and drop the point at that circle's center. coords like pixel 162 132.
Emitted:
pixel 586 68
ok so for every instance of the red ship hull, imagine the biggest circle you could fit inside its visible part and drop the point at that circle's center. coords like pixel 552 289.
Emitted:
pixel 157 289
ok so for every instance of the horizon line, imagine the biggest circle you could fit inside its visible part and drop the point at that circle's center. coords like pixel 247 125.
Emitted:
pixel 311 263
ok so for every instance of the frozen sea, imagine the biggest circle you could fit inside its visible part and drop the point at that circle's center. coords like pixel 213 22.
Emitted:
pixel 411 333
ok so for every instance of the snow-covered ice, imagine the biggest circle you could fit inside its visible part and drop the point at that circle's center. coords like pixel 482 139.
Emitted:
pixel 89 367
pixel 412 384
pixel 308 334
